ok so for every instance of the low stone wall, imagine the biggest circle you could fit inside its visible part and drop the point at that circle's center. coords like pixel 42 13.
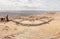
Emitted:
pixel 28 22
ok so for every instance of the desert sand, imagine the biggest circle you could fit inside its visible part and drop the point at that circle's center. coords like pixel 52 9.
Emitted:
pixel 43 26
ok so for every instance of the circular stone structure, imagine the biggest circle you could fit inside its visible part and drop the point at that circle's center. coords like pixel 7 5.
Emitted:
pixel 33 21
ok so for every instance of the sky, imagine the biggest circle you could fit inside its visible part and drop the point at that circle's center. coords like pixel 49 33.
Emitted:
pixel 47 5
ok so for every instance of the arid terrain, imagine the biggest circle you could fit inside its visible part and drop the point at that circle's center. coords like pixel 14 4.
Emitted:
pixel 40 26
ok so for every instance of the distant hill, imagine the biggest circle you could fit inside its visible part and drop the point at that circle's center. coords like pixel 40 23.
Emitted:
pixel 22 12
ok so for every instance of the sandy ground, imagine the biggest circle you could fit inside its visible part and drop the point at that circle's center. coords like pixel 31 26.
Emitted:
pixel 51 30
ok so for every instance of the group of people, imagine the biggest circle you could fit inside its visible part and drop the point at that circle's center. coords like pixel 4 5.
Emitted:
pixel 2 19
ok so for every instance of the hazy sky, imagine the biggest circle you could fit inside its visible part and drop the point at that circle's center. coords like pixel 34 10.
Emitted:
pixel 48 5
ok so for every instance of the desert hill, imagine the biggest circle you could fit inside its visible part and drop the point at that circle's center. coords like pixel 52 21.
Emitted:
pixel 43 26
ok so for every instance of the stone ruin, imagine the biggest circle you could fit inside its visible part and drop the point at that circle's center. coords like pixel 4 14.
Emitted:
pixel 34 21
pixel 30 21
